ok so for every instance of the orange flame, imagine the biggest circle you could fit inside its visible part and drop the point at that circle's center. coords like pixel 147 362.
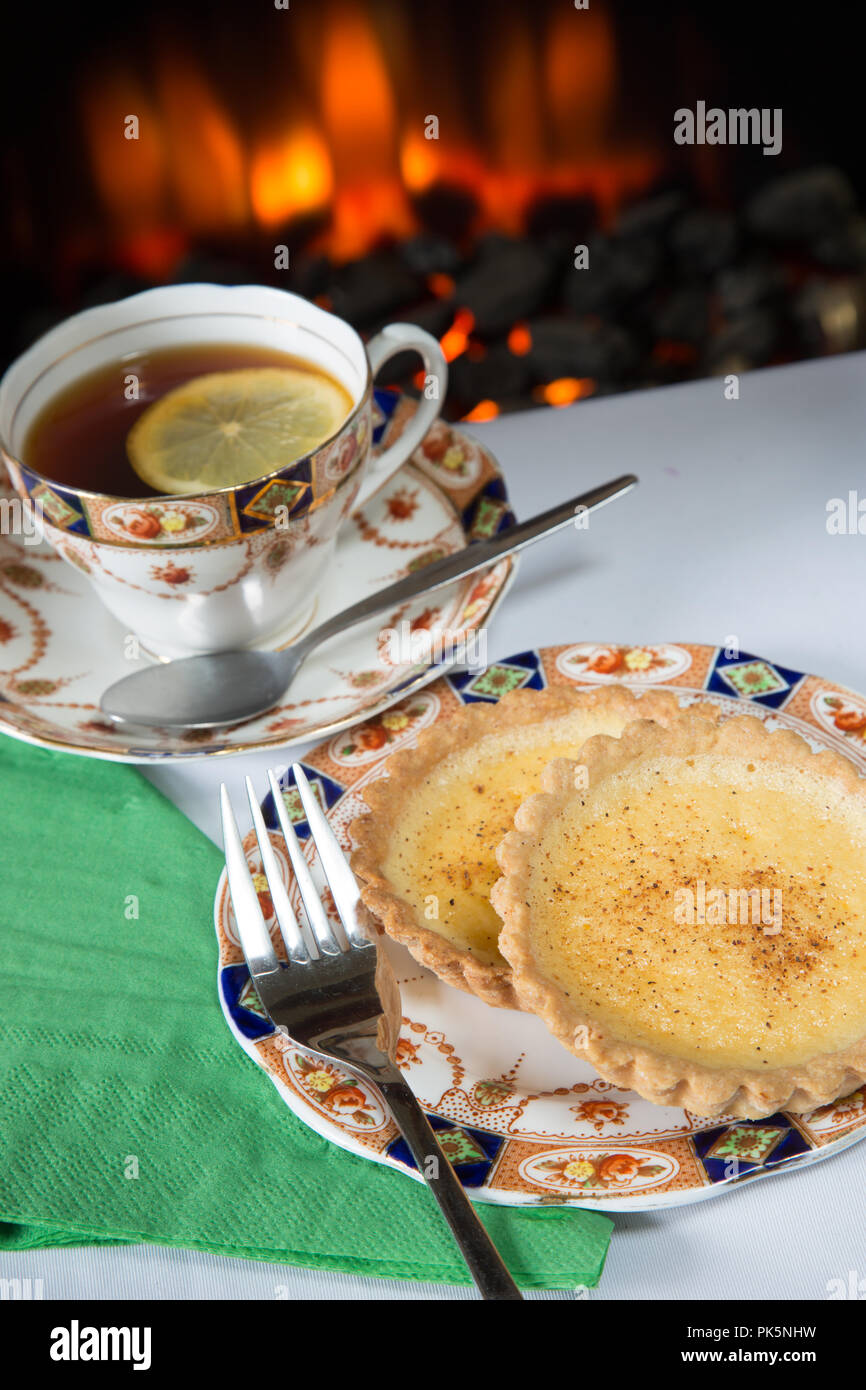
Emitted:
pixel 357 101
pixel 420 163
pixel 484 410
pixel 292 176
pixel 514 98
pixel 206 161
pixel 440 284
pixel 125 144
pixel 360 121
pixel 520 340
pixel 566 390
pixel 356 145
pixel 580 78
pixel 456 340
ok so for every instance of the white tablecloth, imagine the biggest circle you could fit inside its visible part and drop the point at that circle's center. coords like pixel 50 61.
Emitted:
pixel 725 538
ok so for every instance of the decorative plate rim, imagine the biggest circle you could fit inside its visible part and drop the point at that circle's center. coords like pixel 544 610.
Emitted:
pixel 704 1181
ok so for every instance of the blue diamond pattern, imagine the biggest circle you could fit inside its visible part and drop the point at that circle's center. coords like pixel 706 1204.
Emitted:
pixel 387 403
pixel 791 1145
pixel 329 793
pixel 775 699
pixel 233 981
pixel 473 1173
pixel 529 662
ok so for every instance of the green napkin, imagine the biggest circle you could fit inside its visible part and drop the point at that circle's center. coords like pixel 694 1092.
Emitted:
pixel 127 1110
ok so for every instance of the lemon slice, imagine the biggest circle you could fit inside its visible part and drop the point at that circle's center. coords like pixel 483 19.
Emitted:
pixel 228 428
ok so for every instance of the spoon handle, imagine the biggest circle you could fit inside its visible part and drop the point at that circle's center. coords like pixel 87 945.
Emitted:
pixel 473 557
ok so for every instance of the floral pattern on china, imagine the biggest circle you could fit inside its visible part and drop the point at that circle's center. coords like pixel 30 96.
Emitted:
pixel 52 685
pixel 847 717
pixel 337 458
pixel 634 665
pixel 161 523
pixel 365 743
pixel 590 1172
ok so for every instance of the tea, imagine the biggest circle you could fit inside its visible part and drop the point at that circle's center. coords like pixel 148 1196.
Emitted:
pixel 80 438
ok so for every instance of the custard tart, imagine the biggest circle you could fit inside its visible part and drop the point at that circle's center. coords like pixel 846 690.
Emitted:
pixel 685 908
pixel 426 853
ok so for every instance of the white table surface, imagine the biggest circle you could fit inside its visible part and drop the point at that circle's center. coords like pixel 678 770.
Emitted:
pixel 725 538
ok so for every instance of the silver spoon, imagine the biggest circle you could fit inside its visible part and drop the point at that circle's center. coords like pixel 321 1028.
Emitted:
pixel 202 692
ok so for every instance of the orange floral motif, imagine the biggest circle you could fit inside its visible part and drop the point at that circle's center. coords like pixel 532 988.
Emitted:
pixel 407 1053
pixel 600 1170
pixel 402 504
pixel 172 574
pixel 850 721
pixel 599 1113
pixel 619 1168
pixel 335 1090
pixel 345 1098
pixel 147 522
pixel 477 599
pixel 611 659
pixel 347 451
pixel 143 525
pixel 424 620
pixel 266 902
pixel 329 904
pixel 284 726
pixel 7 631
pixel 446 450
pixel 436 444
pixel 374 735
pixel 606 662
pixel 843 1109
pixel 845 718
pixel 372 738
pixel 98 726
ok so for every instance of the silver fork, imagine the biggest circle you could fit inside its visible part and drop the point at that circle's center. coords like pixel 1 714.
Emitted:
pixel 337 995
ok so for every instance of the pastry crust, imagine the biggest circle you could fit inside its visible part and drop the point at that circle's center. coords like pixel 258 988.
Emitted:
pixel 667 1080
pixel 405 776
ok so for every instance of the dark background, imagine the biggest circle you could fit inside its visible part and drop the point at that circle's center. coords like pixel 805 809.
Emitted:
pixel 675 296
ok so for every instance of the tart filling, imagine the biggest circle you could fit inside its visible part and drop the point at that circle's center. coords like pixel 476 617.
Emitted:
pixel 427 852
pixel 686 908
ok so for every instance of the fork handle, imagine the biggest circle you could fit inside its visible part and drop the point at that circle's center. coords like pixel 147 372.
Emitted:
pixel 482 1258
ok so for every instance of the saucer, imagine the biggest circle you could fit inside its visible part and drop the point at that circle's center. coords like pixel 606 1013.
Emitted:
pixel 524 1122
pixel 60 649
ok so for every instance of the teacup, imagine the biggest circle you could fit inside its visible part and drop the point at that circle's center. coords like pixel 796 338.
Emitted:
pixel 241 566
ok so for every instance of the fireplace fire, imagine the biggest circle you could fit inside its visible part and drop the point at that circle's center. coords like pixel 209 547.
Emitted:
pixel 348 158
pixel 506 176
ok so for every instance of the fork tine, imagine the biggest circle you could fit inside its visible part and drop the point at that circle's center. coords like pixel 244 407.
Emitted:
pixel 255 941
pixel 295 944
pixel 342 881
pixel 326 939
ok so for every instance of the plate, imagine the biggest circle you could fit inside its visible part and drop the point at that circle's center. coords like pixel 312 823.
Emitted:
pixel 522 1120
pixel 60 649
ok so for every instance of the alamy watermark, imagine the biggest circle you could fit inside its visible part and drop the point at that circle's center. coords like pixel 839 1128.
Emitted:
pixel 736 126
pixel 846 516
pixel 404 645
pixel 703 906
pixel 22 518
pixel 18 1290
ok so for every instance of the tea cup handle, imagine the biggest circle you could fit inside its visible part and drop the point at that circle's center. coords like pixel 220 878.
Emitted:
pixel 405 337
